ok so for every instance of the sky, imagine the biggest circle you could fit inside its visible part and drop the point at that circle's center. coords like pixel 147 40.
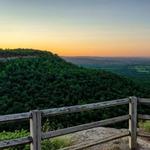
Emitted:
pixel 77 27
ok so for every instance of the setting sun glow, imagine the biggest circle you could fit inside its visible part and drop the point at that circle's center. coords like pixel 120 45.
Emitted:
pixel 77 28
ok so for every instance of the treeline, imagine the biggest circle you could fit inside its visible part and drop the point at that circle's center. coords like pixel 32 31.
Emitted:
pixel 4 53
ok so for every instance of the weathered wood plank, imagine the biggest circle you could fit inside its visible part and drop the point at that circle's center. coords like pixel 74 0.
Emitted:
pixel 133 123
pixel 96 142
pixel 86 107
pixel 144 117
pixel 144 100
pixel 84 127
pixel 144 134
pixel 15 142
pixel 14 117
pixel 35 130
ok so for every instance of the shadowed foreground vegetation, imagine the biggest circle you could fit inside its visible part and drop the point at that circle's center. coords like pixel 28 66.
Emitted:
pixel 52 144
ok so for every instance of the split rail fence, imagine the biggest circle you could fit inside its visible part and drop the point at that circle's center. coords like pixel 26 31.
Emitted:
pixel 36 135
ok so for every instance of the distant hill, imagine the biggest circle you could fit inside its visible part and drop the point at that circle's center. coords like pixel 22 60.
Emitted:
pixel 49 81
pixel 136 68
pixel 5 53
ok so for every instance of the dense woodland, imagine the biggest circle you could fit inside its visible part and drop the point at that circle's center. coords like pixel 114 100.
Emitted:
pixel 5 53
pixel 47 81
pixel 136 68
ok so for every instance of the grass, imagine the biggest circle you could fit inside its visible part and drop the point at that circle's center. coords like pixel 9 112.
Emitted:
pixel 145 126
pixel 56 143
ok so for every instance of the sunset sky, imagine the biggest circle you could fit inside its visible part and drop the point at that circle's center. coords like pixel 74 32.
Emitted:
pixel 77 27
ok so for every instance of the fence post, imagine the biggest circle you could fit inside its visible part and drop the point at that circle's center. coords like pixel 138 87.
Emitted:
pixel 35 130
pixel 133 123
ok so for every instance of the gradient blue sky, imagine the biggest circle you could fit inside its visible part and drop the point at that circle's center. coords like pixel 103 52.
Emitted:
pixel 77 27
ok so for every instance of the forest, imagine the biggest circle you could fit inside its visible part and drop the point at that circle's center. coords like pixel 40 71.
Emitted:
pixel 136 68
pixel 48 81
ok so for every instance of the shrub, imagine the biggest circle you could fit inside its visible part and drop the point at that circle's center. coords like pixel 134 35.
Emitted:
pixel 53 144
pixel 56 143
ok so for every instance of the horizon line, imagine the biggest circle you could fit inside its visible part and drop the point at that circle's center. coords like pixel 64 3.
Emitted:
pixel 108 56
pixel 83 56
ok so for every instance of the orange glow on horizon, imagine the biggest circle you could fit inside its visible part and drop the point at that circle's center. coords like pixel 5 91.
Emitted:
pixel 79 45
pixel 96 48
pixel 87 52
pixel 79 28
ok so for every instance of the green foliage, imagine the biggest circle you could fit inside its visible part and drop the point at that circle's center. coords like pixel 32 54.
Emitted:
pixel 13 135
pixel 48 81
pixel 4 53
pixel 53 144
pixel 145 126
pixel 56 143
pixel 137 69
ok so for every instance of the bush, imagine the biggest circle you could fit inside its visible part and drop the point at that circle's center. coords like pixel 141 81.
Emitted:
pixel 53 144
pixel 13 135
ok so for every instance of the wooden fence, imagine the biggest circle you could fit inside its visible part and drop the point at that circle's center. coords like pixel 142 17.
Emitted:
pixel 36 135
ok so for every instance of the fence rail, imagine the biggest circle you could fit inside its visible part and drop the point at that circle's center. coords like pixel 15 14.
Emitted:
pixel 15 117
pixel 60 132
pixel 97 142
pixel 36 135
pixel 11 143
pixel 86 107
